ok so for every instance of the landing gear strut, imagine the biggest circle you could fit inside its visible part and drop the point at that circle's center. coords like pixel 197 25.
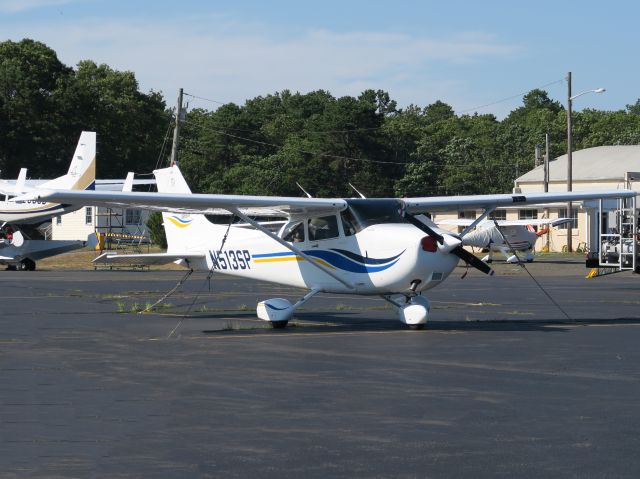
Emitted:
pixel 278 311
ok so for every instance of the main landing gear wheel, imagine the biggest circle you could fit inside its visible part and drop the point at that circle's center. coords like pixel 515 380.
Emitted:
pixel 279 324
pixel 27 265
pixel 416 327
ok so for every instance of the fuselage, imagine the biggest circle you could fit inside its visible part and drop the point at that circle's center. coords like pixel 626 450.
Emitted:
pixel 32 212
pixel 381 259
pixel 486 235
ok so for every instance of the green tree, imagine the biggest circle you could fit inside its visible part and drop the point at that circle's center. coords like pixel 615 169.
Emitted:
pixel 156 230
pixel 32 132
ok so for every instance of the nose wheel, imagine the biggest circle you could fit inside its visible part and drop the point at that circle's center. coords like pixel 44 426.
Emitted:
pixel 417 327
pixel 412 310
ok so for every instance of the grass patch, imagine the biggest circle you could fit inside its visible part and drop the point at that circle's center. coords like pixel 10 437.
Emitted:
pixel 343 307
pixel 81 259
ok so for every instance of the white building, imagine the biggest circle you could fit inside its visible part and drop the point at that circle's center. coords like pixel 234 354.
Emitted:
pixel 602 167
pixel 125 223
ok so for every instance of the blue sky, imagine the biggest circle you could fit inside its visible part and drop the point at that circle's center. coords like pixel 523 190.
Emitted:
pixel 465 53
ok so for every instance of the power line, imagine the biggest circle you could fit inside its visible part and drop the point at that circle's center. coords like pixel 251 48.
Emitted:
pixel 205 99
pixel 299 150
pixel 327 155
pixel 508 98
pixel 321 132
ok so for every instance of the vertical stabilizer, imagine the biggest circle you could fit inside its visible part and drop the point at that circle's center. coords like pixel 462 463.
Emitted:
pixel 185 232
pixel 127 187
pixel 82 171
pixel 22 178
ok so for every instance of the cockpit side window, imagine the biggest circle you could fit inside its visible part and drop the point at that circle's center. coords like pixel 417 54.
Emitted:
pixel 348 223
pixel 293 232
pixel 324 227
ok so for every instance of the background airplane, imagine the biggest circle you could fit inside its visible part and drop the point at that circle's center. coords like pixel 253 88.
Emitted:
pixel 332 245
pixel 81 176
pixel 510 235
pixel 20 243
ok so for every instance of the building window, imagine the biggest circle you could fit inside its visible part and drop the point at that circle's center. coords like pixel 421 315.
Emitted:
pixel 133 217
pixel 500 215
pixel 88 215
pixel 467 215
pixel 562 213
pixel 528 214
pixel 58 220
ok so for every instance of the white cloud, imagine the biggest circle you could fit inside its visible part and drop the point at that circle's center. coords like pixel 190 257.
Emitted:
pixel 14 6
pixel 217 58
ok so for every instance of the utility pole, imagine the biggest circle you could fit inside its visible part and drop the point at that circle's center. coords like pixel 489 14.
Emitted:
pixel 546 184
pixel 546 163
pixel 569 165
pixel 176 130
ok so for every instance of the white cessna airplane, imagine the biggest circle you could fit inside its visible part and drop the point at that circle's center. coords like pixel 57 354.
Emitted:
pixel 509 238
pixel 350 246
pixel 17 250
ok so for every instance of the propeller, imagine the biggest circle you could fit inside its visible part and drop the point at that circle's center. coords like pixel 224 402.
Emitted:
pixel 472 260
pixel 426 228
pixel 458 250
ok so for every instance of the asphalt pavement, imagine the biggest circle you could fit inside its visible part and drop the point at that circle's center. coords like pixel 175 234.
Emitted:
pixel 509 379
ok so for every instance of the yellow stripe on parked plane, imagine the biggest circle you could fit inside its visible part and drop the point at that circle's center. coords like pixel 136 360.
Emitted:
pixel 277 260
pixel 292 258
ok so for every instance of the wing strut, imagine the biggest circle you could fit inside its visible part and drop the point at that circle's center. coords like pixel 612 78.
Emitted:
pixel 486 213
pixel 292 248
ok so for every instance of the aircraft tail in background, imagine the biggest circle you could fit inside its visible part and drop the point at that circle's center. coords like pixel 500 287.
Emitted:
pixel 82 170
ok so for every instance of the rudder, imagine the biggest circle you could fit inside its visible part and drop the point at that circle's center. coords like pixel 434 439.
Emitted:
pixel 82 170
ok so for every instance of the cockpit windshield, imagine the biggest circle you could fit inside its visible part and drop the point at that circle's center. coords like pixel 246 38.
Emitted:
pixel 362 213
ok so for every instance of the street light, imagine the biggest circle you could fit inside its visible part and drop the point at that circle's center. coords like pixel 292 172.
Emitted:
pixel 570 153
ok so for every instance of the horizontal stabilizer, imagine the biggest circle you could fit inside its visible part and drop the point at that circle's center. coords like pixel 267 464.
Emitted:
pixel 145 259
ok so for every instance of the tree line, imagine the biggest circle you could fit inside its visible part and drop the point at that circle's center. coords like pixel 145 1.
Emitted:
pixel 271 142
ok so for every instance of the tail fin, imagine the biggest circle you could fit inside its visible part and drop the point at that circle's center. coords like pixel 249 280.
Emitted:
pixel 22 178
pixel 185 232
pixel 127 187
pixel 82 171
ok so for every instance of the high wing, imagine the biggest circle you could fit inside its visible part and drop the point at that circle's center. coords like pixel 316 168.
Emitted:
pixel 195 203
pixel 532 222
pixel 292 206
pixel 452 203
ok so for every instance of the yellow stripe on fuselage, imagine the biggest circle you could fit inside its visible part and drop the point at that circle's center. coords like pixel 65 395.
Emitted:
pixel 291 258
pixel 35 209
pixel 277 260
